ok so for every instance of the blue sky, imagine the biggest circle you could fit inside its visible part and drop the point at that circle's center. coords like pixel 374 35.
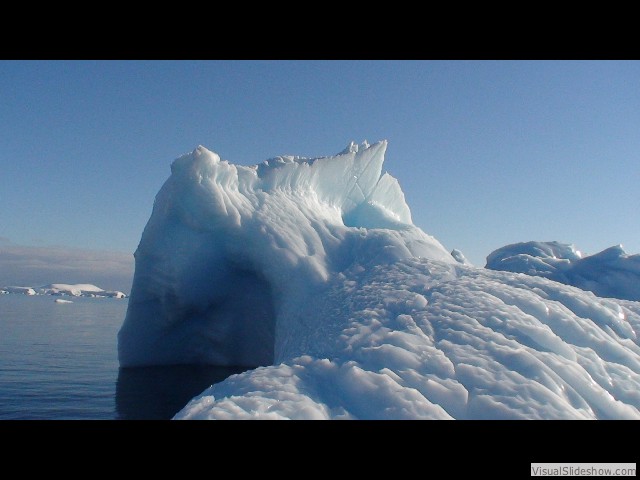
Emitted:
pixel 487 152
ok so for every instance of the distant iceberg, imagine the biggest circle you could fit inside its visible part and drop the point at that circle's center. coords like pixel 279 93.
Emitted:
pixel 311 271
pixel 75 290
pixel 79 290
pixel 610 273
pixel 19 290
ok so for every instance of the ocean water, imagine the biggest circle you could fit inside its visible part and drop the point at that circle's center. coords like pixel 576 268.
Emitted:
pixel 60 362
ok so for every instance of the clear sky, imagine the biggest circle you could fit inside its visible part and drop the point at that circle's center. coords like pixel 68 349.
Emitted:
pixel 487 152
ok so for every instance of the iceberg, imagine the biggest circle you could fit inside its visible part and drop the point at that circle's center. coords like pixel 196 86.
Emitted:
pixel 232 254
pixel 74 290
pixel 79 290
pixel 610 273
pixel 312 273
pixel 19 290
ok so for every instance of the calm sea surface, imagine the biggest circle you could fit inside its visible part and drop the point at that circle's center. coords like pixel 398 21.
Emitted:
pixel 60 362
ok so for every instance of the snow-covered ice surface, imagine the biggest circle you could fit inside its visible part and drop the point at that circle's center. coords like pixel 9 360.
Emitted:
pixel 610 273
pixel 424 339
pixel 313 271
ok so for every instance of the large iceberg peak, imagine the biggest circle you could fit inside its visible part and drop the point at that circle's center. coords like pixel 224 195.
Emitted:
pixel 231 250
pixel 351 182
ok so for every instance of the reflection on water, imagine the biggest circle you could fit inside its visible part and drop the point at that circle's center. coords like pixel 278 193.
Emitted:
pixel 158 393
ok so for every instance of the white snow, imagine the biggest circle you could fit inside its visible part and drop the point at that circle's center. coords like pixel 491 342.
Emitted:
pixel 312 271
pixel 610 273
